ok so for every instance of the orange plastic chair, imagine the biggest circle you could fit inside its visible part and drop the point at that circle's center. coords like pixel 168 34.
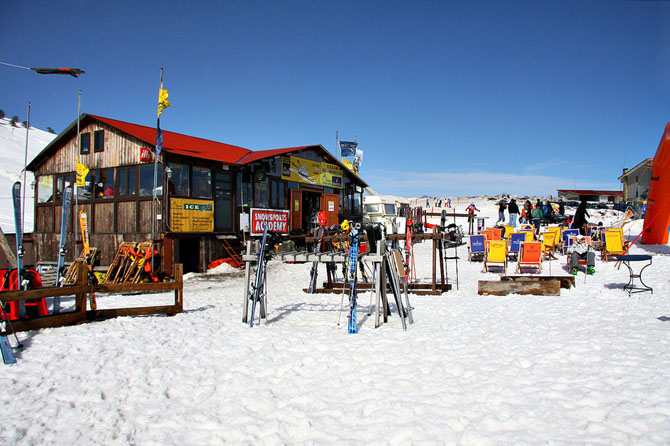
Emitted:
pixel 530 257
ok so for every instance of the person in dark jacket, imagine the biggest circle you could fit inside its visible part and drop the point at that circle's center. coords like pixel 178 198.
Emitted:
pixel 561 207
pixel 513 210
pixel 580 217
pixel 501 212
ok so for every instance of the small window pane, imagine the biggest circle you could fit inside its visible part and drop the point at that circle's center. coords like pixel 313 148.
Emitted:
pixel 178 179
pixel 202 182
pixel 127 181
pixel 104 183
pixel 85 143
pixel 61 183
pixel 99 140
pixel 147 180
pixel 45 189
pixel 84 192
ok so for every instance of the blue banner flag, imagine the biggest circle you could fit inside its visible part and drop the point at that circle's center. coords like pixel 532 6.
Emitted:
pixel 348 148
pixel 159 141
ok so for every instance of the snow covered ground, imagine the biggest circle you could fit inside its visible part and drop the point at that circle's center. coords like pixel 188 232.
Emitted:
pixel 12 160
pixel 591 366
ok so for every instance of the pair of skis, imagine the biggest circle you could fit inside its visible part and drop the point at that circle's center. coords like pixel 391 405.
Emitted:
pixel 353 263
pixel 8 356
pixel 314 272
pixel 60 268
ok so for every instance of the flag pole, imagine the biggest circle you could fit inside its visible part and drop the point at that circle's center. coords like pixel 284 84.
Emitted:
pixel 153 200
pixel 25 166
pixel 76 162
pixel 337 145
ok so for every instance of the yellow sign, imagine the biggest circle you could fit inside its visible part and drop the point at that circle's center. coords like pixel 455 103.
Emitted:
pixel 301 170
pixel 331 175
pixel 188 215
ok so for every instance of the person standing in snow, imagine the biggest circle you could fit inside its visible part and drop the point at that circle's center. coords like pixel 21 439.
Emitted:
pixel 513 210
pixel 537 219
pixel 561 207
pixel 580 250
pixel 471 215
pixel 501 212
pixel 579 221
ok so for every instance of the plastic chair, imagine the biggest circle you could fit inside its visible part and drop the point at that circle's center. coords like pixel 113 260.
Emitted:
pixel 496 255
pixel 530 257
pixel 476 246
pixel 612 245
pixel 515 244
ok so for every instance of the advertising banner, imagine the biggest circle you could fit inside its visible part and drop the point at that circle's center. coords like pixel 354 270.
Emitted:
pixel 301 170
pixel 276 219
pixel 189 215
pixel 331 175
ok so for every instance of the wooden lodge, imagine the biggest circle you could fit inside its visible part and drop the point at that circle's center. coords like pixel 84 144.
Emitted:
pixel 211 187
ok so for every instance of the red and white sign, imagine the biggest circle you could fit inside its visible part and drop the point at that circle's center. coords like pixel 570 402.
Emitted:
pixel 145 155
pixel 276 219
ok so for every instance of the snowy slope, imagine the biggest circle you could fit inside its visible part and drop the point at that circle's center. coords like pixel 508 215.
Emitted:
pixel 590 366
pixel 12 153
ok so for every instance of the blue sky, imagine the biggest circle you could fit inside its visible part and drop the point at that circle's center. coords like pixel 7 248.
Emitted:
pixel 445 98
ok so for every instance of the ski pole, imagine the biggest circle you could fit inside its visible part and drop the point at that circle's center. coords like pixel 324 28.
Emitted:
pixel 9 321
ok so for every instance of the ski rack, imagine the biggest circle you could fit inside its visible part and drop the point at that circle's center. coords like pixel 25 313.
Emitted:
pixel 83 288
pixel 379 287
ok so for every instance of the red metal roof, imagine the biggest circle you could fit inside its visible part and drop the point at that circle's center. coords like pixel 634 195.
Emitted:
pixel 260 154
pixel 181 144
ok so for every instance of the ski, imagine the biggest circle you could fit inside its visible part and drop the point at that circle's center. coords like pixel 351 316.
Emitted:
pixel 67 202
pixel 314 272
pixel 16 196
pixel 353 263
pixel 257 289
pixel 83 223
pixel 7 352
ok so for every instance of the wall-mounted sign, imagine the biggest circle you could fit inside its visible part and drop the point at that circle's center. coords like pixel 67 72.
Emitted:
pixel 331 175
pixel 189 215
pixel 145 155
pixel 300 170
pixel 311 172
pixel 276 219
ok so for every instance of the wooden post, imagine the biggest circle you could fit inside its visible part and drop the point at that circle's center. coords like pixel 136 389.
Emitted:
pixel 82 281
pixel 441 255
pixel 179 293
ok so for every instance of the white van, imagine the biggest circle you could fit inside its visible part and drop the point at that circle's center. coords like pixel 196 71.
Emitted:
pixel 385 209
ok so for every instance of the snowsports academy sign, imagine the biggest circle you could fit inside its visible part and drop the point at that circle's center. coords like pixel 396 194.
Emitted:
pixel 188 215
pixel 276 219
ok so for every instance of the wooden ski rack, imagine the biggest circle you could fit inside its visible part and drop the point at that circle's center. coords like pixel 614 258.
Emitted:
pixel 128 263
pixel 70 276
pixel 80 291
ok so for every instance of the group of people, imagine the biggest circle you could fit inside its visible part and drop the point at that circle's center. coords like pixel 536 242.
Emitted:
pixel 528 214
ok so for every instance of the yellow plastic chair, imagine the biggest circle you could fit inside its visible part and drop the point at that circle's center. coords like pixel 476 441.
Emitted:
pixel 496 255
pixel 612 245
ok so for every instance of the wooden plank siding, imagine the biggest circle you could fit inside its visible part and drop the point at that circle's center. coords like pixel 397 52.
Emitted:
pixel 126 217
pixel 120 149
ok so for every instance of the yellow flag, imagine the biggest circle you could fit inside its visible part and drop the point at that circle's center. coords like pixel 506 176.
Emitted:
pixel 82 171
pixel 163 102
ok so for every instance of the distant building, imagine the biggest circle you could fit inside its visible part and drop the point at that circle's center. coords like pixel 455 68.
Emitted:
pixel 636 181
pixel 590 195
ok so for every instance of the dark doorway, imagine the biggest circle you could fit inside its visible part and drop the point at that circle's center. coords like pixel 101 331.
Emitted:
pixel 188 254
pixel 311 205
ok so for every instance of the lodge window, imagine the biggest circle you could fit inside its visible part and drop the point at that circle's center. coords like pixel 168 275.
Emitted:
pixel 277 194
pixel 45 189
pixel 84 192
pixel 104 183
pixel 62 182
pixel 202 182
pixel 85 143
pixel 99 141
pixel 178 180
pixel 147 180
pixel 127 180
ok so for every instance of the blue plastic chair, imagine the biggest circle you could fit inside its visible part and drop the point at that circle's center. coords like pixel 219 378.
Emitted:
pixel 515 244
pixel 476 247
pixel 567 233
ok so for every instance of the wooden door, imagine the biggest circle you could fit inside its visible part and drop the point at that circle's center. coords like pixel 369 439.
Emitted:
pixel 330 204
pixel 295 206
